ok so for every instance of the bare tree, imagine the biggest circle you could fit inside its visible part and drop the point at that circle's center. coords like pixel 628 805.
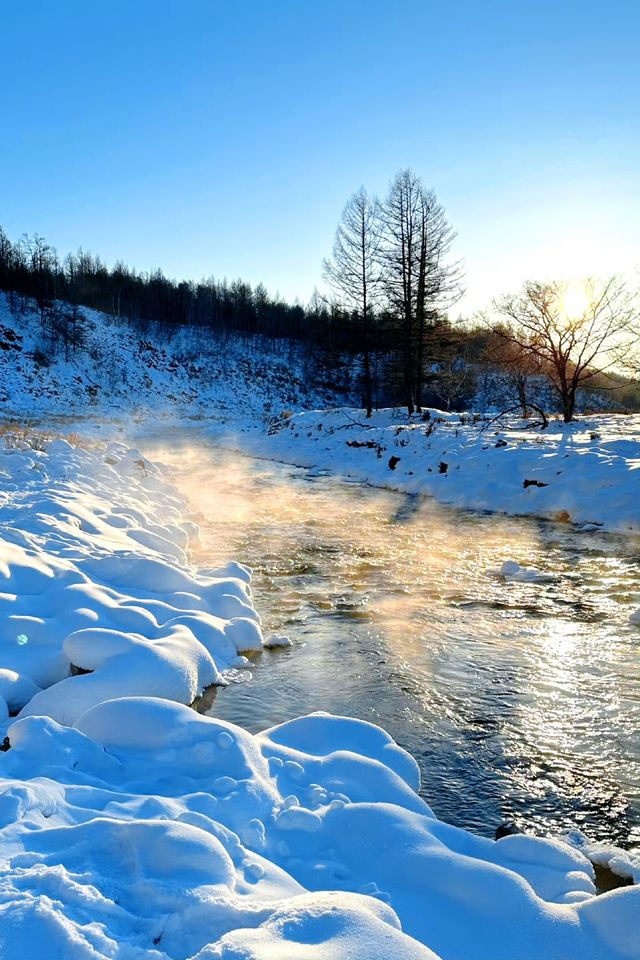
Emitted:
pixel 574 332
pixel 455 382
pixel 353 271
pixel 439 284
pixel 399 259
pixel 420 282
pixel 517 365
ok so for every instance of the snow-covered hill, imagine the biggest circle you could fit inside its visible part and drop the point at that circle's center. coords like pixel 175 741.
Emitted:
pixel 118 369
pixel 191 371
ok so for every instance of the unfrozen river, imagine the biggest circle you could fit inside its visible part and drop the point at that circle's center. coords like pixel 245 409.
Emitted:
pixel 519 700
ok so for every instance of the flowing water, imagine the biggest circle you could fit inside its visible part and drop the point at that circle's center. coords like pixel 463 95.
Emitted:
pixel 518 700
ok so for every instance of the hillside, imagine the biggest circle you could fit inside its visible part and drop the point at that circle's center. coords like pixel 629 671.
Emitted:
pixel 118 369
pixel 192 370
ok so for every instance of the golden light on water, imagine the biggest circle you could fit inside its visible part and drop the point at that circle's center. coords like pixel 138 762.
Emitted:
pixel 526 693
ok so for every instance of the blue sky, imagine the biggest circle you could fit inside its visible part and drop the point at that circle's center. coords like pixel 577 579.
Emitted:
pixel 224 138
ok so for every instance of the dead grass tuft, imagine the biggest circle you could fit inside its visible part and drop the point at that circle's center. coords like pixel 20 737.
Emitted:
pixel 15 434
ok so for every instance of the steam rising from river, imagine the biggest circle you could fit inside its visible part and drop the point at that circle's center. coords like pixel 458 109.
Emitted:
pixel 525 694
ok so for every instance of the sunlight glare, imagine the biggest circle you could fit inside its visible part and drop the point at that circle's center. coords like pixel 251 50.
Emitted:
pixel 575 300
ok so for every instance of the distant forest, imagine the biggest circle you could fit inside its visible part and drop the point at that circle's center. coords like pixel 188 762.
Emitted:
pixel 31 269
pixel 382 337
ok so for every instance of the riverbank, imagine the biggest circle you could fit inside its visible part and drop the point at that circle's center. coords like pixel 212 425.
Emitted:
pixel 132 827
pixel 586 472
pixel 95 573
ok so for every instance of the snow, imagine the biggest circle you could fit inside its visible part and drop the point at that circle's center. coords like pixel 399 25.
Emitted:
pixel 511 570
pixel 277 640
pixel 94 573
pixel 149 830
pixel 586 472
pixel 148 372
pixel 131 826
pixel 623 863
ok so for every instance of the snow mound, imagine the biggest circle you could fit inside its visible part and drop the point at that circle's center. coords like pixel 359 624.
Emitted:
pixel 97 597
pixel 149 831
pixel 622 863
pixel 277 640
pixel 511 570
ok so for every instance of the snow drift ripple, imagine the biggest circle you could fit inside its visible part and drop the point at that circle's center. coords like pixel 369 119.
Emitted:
pixel 151 831
pixel 94 575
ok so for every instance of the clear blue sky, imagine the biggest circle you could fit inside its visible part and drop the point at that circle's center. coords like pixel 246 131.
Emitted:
pixel 224 137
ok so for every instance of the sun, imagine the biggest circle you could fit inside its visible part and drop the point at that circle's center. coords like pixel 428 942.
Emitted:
pixel 575 300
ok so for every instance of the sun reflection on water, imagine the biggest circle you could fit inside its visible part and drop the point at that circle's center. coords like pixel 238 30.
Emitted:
pixel 517 698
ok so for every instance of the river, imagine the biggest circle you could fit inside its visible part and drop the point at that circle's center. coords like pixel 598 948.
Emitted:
pixel 518 700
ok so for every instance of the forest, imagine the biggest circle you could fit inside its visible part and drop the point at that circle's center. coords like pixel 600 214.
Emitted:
pixel 391 289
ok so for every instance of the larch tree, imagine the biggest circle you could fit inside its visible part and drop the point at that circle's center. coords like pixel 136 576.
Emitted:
pixel 353 272
pixel 575 331
pixel 439 286
pixel 419 280
pixel 399 262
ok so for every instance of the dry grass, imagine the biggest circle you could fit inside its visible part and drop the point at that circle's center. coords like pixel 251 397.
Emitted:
pixel 13 432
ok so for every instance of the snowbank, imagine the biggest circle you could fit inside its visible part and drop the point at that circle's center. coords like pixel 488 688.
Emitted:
pixel 587 472
pixel 150 831
pixel 97 598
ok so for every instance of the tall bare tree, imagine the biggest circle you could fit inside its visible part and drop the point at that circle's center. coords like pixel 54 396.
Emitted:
pixel 439 284
pixel 399 260
pixel 574 332
pixel 419 280
pixel 353 272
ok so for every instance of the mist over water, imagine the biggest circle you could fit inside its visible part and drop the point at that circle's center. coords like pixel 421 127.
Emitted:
pixel 517 699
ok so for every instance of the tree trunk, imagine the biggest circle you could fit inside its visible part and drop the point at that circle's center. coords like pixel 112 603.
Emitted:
pixel 569 406
pixel 522 398
pixel 367 368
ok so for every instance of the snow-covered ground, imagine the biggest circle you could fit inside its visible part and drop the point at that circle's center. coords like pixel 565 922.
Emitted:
pixel 94 574
pixel 149 831
pixel 586 472
pixel 132 827
pixel 119 370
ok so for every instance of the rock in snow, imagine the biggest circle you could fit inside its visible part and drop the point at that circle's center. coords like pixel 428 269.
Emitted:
pixel 511 570
pixel 132 827
pixel 277 640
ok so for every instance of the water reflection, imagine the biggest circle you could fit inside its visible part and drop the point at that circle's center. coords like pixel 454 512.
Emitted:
pixel 518 699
